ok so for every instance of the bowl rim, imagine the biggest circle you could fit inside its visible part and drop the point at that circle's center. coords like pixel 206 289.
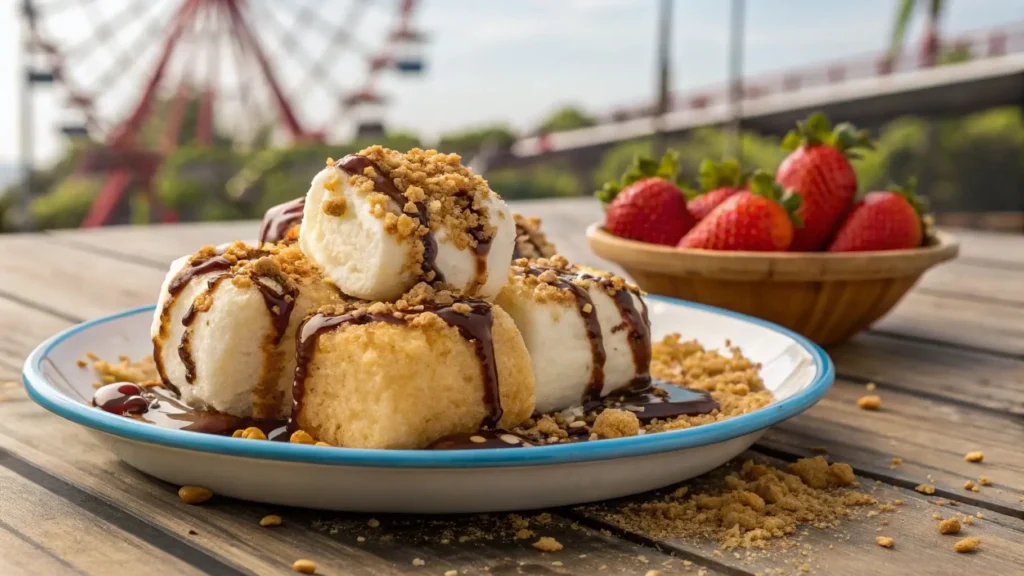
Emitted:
pixel 751 265
pixel 46 395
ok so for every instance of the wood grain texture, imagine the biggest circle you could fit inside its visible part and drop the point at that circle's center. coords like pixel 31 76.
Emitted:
pixel 959 376
pixel 48 531
pixel 850 549
pixel 929 434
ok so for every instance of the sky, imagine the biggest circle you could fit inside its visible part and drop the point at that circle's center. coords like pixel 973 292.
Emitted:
pixel 510 61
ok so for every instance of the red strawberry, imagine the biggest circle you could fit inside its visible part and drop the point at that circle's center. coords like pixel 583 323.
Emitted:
pixel 819 171
pixel 761 219
pixel 717 181
pixel 647 205
pixel 885 220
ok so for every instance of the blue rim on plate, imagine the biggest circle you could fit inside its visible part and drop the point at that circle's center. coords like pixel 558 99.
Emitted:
pixel 47 396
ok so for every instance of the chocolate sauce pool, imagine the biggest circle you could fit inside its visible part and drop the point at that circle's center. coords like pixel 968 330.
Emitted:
pixel 161 407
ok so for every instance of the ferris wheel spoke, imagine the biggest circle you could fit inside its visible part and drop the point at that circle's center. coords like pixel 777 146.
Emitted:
pixel 287 42
pixel 341 38
pixel 129 58
pixel 126 131
pixel 241 27
pixel 58 6
pixel 104 31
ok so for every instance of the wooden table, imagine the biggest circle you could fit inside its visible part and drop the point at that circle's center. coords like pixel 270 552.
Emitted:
pixel 948 363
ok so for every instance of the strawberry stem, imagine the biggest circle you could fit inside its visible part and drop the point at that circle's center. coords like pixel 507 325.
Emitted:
pixel 642 168
pixel 816 130
pixel 725 174
pixel 763 184
pixel 909 192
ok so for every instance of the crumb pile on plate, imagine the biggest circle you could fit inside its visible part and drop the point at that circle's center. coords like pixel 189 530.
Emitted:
pixel 400 304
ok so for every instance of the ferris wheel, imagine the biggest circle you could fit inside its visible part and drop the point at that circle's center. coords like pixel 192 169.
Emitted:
pixel 137 74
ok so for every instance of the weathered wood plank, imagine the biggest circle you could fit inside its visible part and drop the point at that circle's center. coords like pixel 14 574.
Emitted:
pixel 930 435
pixel 71 282
pixel 990 247
pixel 982 283
pixel 23 329
pixel 54 532
pixel 961 376
pixel 850 549
pixel 974 325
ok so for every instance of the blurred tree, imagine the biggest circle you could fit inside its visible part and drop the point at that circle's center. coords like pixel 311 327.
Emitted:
pixel 534 182
pixel 566 118
pixel 468 142
pixel 67 203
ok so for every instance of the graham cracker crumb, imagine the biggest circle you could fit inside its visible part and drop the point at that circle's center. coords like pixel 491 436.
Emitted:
pixel 531 243
pixel 547 544
pixel 335 206
pixel 896 462
pixel 949 526
pixel 870 386
pixel 615 423
pixel 418 562
pixel 885 541
pixel 871 402
pixel 969 485
pixel 984 481
pixel 967 545
pixel 744 508
pixel 974 456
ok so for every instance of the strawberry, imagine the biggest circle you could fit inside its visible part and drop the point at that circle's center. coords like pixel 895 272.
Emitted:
pixel 647 204
pixel 762 219
pixel 819 170
pixel 884 220
pixel 717 182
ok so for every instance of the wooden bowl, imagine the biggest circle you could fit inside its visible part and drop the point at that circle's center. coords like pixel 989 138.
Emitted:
pixel 827 297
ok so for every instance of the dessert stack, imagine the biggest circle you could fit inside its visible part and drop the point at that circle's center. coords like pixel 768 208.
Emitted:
pixel 397 303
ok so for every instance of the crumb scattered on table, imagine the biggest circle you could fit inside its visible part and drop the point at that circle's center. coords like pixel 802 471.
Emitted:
pixel 974 456
pixel 547 544
pixel 885 541
pixel 870 402
pixel 967 545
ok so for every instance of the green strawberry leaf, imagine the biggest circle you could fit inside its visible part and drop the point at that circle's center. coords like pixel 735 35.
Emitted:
pixel 909 192
pixel 641 169
pixel 764 184
pixel 817 130
pixel 725 174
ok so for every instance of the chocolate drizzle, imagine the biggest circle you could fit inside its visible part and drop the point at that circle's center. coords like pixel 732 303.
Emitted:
pixel 638 333
pixel 357 164
pixel 280 219
pixel 565 281
pixel 195 267
pixel 185 346
pixel 475 327
pixel 480 252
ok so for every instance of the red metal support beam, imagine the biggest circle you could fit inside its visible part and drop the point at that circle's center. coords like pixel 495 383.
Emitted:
pixel 241 28
pixel 116 185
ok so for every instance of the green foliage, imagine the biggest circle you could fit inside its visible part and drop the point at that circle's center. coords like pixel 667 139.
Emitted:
pixel 713 175
pixel 66 204
pixel 540 182
pixel 470 141
pixel 641 168
pixel 566 118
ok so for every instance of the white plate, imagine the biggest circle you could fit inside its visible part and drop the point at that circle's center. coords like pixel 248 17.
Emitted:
pixel 796 371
